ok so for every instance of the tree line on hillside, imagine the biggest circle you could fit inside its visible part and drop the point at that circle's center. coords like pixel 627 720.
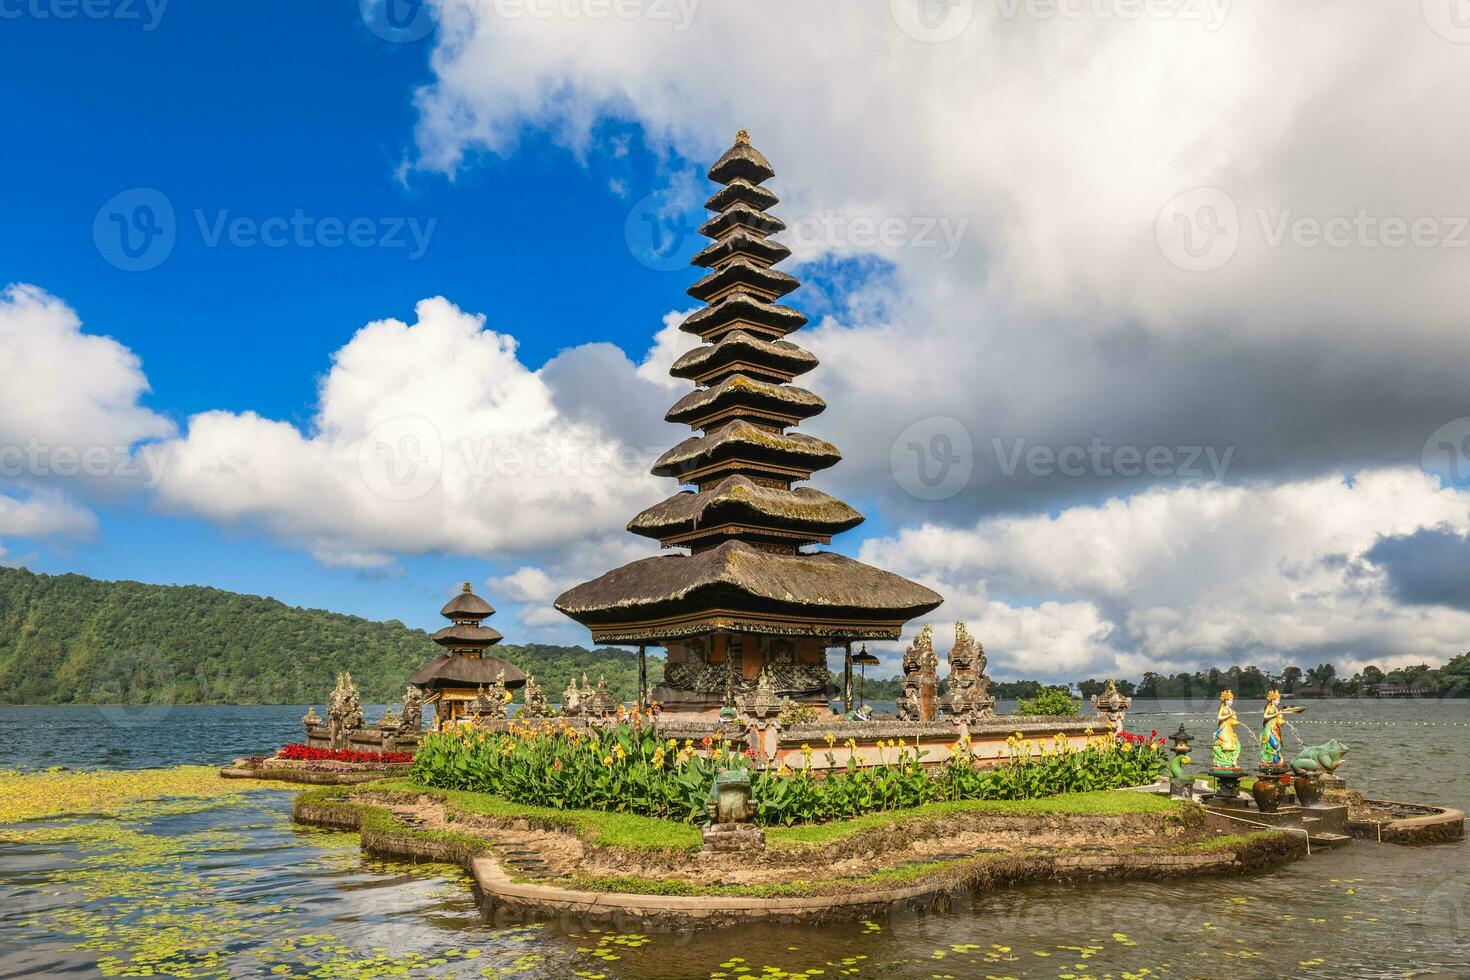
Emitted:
pixel 69 639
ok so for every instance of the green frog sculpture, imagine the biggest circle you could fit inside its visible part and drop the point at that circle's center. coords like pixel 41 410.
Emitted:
pixel 1310 765
pixel 1318 760
pixel 729 798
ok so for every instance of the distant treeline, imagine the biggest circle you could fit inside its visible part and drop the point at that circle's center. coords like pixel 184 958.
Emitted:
pixel 1323 680
pixel 68 639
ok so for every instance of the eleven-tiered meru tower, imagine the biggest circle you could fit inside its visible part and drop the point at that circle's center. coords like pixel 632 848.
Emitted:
pixel 747 606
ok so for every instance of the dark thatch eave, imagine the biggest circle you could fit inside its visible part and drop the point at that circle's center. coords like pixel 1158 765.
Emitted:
pixel 466 605
pixel 742 216
pixel 741 440
pixel 740 391
pixel 739 346
pixel 742 308
pixel 744 579
pixel 743 192
pixel 744 162
pixel 741 272
pixel 740 243
pixel 740 500
pixel 465 635
pixel 458 670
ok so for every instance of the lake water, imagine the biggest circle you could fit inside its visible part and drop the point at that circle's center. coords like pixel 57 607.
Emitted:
pixel 237 880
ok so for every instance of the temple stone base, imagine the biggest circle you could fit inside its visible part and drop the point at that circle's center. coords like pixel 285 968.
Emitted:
pixel 728 837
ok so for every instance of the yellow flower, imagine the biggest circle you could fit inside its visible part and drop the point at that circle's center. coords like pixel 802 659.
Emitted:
pixel 607 760
pixel 831 739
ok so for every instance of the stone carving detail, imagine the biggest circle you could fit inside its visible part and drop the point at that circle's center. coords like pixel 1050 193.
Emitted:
pixel 311 719
pixel 1113 706
pixel 571 700
pixel 344 712
pixel 763 702
pixel 969 688
pixel 489 703
pixel 710 678
pixel 600 704
pixel 920 678
pixel 535 706
pixel 411 719
pixel 389 721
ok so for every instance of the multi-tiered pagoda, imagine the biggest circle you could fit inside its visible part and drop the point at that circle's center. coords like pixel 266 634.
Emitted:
pixel 749 606
pixel 452 681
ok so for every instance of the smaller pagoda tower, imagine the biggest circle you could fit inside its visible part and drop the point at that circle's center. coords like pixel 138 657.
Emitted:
pixel 451 681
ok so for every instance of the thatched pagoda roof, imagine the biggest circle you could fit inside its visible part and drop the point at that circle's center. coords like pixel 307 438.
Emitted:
pixel 741 162
pixel 741 191
pixel 461 670
pixel 740 350
pixel 741 587
pixel 467 605
pixel 742 273
pixel 757 247
pixel 738 392
pixel 741 309
pixel 466 635
pixel 740 500
pixel 741 215
pixel 747 447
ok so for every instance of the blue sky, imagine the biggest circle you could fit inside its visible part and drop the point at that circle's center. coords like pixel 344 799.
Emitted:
pixel 293 107
pixel 1129 254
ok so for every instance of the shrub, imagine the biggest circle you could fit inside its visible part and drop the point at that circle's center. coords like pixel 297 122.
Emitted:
pixel 1048 701
pixel 630 768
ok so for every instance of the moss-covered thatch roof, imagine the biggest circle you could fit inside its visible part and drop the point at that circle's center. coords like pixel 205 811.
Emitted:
pixel 458 670
pixel 741 161
pixel 742 307
pixel 743 191
pixel 740 500
pixel 742 216
pixel 742 391
pixel 741 243
pixel 739 440
pixel 466 605
pixel 741 272
pixel 738 345
pixel 464 635
pixel 817 594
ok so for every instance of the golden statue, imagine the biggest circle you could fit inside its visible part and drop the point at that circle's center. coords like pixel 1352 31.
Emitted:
pixel 1273 720
pixel 1227 744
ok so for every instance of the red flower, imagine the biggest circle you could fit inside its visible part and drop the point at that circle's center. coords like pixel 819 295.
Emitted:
pixel 306 753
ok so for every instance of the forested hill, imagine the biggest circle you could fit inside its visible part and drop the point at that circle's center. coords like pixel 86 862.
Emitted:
pixel 68 639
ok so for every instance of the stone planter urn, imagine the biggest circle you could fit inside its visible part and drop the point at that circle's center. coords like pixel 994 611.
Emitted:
pixel 1269 792
pixel 1308 790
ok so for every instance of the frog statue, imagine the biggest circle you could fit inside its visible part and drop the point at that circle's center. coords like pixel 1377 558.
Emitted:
pixel 729 798
pixel 1314 760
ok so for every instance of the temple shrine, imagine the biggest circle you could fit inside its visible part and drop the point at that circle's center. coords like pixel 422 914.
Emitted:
pixel 749 609
pixel 452 682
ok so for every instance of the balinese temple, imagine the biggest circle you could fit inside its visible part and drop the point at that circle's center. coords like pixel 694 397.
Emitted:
pixel 451 682
pixel 750 601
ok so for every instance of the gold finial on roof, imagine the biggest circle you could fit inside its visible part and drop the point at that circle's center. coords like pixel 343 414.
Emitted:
pixel 742 137
pixel 467 587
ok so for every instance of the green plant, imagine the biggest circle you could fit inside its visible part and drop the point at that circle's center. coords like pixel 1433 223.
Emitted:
pixel 629 768
pixel 1048 701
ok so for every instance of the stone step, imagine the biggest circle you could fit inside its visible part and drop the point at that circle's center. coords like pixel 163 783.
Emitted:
pixel 1328 840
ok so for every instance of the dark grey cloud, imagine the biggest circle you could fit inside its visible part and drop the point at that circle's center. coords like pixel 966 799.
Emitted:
pixel 1430 567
